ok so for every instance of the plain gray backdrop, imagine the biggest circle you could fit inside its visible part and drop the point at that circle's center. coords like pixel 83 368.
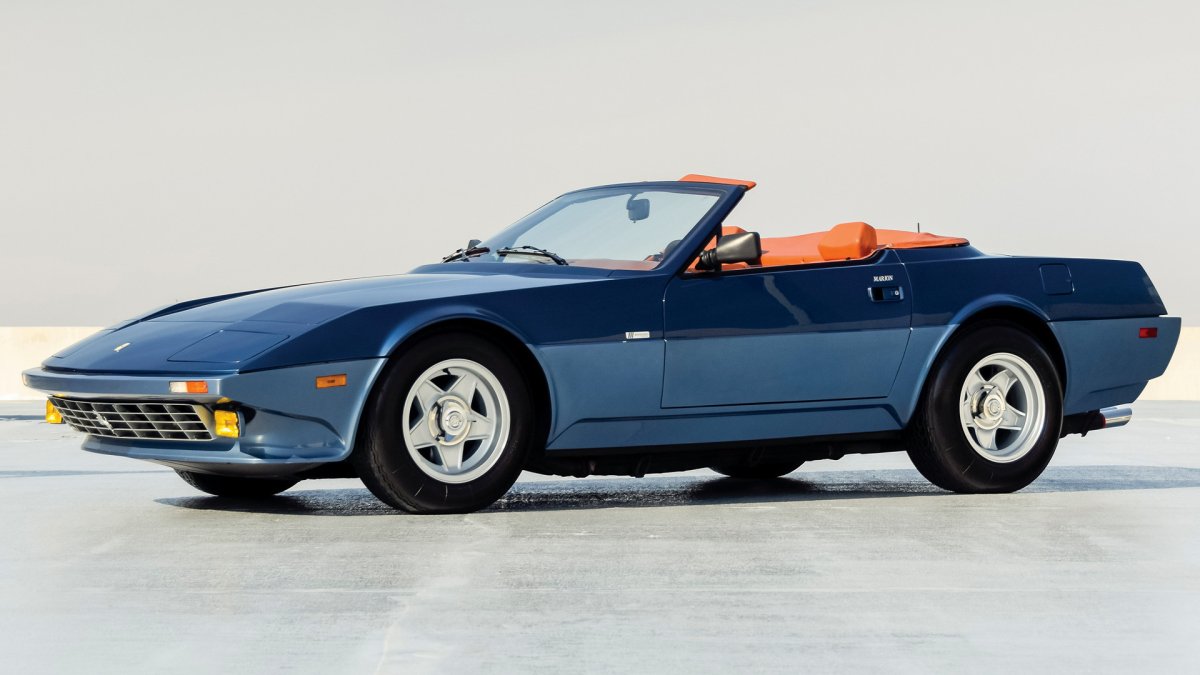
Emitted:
pixel 156 151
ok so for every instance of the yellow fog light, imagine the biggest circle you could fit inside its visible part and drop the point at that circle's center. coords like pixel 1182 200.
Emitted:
pixel 52 414
pixel 226 422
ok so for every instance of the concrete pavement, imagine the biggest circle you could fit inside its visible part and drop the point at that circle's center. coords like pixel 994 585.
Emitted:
pixel 113 565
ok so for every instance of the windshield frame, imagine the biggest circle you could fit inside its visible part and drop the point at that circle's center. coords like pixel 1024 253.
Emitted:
pixel 689 245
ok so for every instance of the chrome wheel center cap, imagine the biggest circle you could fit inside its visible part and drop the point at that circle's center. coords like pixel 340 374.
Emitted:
pixel 989 407
pixel 450 420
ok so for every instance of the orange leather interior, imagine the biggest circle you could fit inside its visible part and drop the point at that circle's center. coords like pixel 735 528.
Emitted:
pixel 847 241
pixel 701 178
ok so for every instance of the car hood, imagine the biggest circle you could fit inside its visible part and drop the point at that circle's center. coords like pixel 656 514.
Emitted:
pixel 311 304
pixel 224 333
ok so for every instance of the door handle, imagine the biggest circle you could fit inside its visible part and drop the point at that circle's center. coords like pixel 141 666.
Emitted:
pixel 885 293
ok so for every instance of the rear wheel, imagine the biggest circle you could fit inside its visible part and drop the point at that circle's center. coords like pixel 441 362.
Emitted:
pixel 448 429
pixel 991 414
pixel 236 486
pixel 757 470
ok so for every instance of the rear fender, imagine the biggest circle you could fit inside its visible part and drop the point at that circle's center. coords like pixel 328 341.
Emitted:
pixel 928 342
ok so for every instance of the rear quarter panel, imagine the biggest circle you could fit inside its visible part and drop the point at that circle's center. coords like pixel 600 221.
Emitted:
pixel 1093 308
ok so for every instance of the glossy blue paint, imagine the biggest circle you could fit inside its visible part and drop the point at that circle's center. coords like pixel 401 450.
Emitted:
pixel 739 355
pixel 1056 279
pixel 946 290
pixel 773 336
pixel 1108 364
pixel 228 346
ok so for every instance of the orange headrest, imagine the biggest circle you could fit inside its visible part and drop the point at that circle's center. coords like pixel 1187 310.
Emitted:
pixel 848 241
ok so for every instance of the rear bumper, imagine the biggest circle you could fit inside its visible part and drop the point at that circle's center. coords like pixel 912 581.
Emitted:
pixel 1109 363
pixel 287 424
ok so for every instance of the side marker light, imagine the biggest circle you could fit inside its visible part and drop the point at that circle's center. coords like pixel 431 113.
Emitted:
pixel 189 387
pixel 1147 333
pixel 327 381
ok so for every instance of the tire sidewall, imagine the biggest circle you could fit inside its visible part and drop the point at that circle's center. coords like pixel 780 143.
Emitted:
pixel 384 462
pixel 942 402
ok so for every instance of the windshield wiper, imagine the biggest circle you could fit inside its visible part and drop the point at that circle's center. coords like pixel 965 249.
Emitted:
pixel 532 250
pixel 466 253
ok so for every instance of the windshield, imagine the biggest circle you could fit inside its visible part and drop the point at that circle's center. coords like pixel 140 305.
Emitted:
pixel 610 228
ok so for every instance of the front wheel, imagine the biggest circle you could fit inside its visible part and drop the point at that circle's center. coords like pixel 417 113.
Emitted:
pixel 236 486
pixel 991 414
pixel 449 428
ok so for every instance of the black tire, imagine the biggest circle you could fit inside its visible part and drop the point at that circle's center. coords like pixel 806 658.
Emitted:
pixel 383 460
pixel 758 470
pixel 939 446
pixel 236 486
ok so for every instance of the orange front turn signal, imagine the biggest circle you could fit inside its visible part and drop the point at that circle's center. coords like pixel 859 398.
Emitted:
pixel 327 381
pixel 52 414
pixel 189 387
pixel 226 423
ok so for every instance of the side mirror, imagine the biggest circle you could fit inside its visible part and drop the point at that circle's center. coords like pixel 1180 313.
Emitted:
pixel 734 248
pixel 639 209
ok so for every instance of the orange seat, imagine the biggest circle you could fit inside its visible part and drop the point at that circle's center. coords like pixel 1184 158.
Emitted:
pixel 798 250
pixel 848 241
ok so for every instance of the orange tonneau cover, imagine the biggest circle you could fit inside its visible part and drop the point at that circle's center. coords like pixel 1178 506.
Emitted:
pixel 839 244
pixel 848 241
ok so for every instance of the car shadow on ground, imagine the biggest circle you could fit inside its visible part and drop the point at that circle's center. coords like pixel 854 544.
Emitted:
pixel 600 493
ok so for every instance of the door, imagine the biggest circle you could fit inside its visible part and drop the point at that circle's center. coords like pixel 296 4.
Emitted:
pixel 777 335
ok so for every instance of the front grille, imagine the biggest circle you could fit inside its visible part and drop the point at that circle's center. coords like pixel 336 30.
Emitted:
pixel 136 419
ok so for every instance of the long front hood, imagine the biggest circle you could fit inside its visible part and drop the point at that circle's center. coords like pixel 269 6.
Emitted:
pixel 317 303
pixel 225 335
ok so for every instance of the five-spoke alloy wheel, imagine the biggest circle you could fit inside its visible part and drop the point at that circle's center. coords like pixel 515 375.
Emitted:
pixel 990 416
pixel 448 428
pixel 1001 407
pixel 458 418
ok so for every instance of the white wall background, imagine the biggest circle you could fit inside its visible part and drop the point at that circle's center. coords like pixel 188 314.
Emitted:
pixel 154 151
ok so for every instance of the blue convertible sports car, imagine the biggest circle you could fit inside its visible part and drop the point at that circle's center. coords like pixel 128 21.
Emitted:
pixel 627 330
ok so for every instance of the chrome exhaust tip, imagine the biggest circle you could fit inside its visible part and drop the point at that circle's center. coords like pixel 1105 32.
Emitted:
pixel 1108 418
pixel 1117 416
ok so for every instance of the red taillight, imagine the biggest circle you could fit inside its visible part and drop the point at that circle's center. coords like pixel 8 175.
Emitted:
pixel 1147 333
